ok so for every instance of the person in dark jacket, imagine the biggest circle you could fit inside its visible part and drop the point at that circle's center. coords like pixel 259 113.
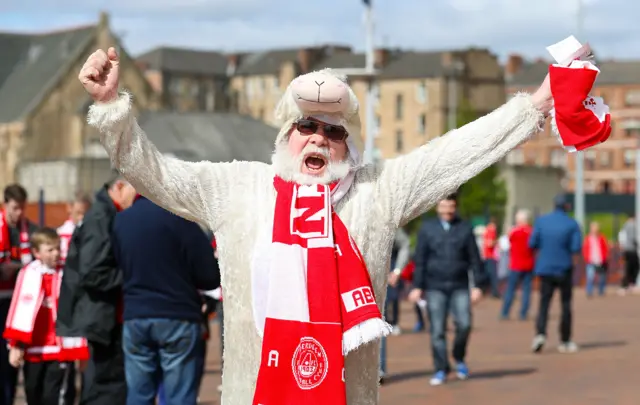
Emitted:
pixel 165 260
pixel 90 303
pixel 557 240
pixel 15 233
pixel 445 252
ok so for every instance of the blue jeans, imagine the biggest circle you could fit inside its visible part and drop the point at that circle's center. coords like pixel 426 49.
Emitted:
pixel 523 278
pixel 592 272
pixel 439 304
pixel 164 350
pixel 8 374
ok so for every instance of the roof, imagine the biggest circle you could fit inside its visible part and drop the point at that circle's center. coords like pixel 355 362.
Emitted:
pixel 217 137
pixel 411 65
pixel 31 64
pixel 266 62
pixel 611 73
pixel 343 60
pixel 185 61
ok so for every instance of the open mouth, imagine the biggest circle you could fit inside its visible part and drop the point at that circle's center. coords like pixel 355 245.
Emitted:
pixel 315 162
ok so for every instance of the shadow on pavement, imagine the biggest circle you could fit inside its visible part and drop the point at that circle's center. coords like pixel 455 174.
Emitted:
pixel 491 374
pixel 476 375
pixel 602 345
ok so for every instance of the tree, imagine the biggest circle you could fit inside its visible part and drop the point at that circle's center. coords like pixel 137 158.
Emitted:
pixel 482 196
pixel 485 194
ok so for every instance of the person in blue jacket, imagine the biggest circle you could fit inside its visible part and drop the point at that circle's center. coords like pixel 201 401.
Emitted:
pixel 557 240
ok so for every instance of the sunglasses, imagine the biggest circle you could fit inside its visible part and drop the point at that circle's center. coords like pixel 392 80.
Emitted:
pixel 336 133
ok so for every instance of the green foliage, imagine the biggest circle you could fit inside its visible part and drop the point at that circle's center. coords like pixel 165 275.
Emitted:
pixel 485 194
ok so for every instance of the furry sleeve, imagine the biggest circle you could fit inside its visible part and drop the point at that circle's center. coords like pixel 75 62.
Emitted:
pixel 411 184
pixel 195 191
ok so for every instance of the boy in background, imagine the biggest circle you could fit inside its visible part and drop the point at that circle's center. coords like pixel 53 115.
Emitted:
pixel 30 328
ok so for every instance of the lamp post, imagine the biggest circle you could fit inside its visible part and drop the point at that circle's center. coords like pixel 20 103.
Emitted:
pixel 369 146
pixel 579 198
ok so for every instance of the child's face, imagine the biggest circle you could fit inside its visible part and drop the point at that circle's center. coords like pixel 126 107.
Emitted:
pixel 48 254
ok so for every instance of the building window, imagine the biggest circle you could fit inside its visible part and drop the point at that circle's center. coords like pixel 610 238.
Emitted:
pixel 590 160
pixel 605 158
pixel 399 106
pixel 558 158
pixel 629 186
pixel 422 124
pixel 632 132
pixel 423 94
pixel 276 83
pixel 632 97
pixel 515 157
pixel 399 141
pixel 606 187
pixel 629 157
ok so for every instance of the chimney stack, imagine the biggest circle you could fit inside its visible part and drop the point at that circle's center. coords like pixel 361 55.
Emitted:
pixel 381 58
pixel 304 60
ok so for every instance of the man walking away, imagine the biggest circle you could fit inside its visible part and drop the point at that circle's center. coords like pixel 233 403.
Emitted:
pixel 629 245
pixel 165 260
pixel 15 253
pixel 91 296
pixel 445 252
pixel 596 256
pixel 521 263
pixel 557 239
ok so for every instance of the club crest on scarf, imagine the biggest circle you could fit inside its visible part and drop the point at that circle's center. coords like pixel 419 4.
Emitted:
pixel 320 303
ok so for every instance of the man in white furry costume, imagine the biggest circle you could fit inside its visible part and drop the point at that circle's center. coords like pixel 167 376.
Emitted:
pixel 303 241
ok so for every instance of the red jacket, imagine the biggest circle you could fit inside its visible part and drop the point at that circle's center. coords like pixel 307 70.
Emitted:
pixel 489 241
pixel 586 248
pixel 521 255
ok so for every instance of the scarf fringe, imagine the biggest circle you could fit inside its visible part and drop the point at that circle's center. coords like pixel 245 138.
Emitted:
pixel 364 333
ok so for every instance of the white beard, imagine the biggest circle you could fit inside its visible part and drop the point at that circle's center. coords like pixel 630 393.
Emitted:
pixel 288 166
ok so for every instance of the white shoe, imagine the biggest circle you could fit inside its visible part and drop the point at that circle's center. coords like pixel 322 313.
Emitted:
pixel 538 343
pixel 568 348
pixel 396 331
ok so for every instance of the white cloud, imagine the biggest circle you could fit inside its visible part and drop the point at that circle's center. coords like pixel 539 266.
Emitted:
pixel 504 26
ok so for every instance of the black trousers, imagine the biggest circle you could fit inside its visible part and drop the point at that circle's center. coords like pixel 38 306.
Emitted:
pixel 631 265
pixel 47 382
pixel 104 382
pixel 548 284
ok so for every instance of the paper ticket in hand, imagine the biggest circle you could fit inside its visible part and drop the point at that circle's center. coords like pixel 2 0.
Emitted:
pixel 578 119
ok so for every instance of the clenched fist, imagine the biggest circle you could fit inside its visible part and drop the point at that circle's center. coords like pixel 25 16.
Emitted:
pixel 99 75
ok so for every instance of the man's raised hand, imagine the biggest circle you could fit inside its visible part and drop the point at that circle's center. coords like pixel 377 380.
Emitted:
pixel 100 75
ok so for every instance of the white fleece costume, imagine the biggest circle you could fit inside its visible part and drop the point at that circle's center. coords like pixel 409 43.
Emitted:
pixel 236 201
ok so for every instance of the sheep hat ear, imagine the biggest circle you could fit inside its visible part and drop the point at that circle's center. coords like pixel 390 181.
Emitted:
pixel 326 96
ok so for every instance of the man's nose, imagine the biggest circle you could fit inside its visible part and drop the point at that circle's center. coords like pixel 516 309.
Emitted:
pixel 318 138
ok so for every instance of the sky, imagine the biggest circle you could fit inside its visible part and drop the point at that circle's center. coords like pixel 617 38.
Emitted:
pixel 504 26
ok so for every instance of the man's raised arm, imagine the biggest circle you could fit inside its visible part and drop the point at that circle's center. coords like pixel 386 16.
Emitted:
pixel 195 191
pixel 411 184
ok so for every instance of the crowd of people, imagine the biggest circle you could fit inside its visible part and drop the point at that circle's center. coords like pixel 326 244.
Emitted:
pixel 447 253
pixel 121 293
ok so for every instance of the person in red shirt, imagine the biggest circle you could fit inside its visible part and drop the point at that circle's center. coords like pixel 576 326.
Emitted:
pixel 596 254
pixel 489 243
pixel 521 263
pixel 30 328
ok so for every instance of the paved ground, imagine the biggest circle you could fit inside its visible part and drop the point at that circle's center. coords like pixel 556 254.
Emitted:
pixel 504 370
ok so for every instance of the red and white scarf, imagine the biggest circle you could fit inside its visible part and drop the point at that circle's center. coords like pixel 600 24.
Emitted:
pixel 320 304
pixel 65 231
pixel 6 286
pixel 27 301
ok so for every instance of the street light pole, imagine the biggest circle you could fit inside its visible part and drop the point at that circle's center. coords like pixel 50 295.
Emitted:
pixel 369 146
pixel 579 198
